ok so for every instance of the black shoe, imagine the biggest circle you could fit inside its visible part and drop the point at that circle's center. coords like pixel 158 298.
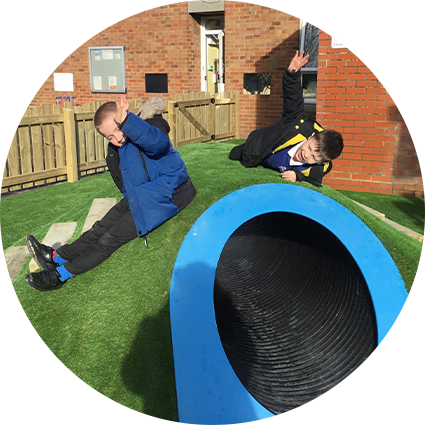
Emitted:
pixel 42 254
pixel 46 280
pixel 236 153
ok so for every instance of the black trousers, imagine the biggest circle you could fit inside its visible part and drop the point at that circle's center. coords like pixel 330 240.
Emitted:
pixel 115 229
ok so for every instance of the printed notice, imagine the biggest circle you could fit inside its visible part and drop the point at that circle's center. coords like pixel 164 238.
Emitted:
pixel 97 56
pixel 107 54
pixel 117 55
pixel 360 27
pixel 97 83
pixel 112 83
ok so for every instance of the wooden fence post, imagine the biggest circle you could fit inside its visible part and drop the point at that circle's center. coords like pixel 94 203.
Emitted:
pixel 171 122
pixel 25 150
pixel 37 147
pixel 59 138
pixel 48 140
pixel 237 115
pixel 211 119
pixel 70 145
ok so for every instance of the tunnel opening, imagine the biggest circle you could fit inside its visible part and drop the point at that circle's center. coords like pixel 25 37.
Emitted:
pixel 293 310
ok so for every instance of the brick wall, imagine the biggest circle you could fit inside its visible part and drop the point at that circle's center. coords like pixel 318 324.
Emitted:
pixel 407 169
pixel 257 40
pixel 4 62
pixel 379 155
pixel 162 40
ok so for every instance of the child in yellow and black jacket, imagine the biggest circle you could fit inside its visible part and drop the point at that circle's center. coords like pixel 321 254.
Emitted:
pixel 300 149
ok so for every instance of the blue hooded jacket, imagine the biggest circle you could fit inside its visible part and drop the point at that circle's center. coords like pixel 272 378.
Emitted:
pixel 149 185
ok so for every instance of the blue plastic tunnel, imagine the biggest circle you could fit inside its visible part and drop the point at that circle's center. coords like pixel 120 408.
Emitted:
pixel 278 293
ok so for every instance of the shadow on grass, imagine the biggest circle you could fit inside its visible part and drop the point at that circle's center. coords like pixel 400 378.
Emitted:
pixel 148 368
pixel 414 208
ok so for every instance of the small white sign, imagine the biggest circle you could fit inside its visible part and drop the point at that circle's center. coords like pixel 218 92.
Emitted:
pixel 97 83
pixel 23 14
pixel 360 27
pixel 63 81
pixel 107 54
pixel 112 83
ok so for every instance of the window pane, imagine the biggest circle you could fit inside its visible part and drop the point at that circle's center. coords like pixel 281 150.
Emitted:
pixel 156 83
pixel 311 44
pixel 258 83
pixel 309 86
pixel 214 23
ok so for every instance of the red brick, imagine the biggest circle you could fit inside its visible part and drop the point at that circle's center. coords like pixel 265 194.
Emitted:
pixel 349 96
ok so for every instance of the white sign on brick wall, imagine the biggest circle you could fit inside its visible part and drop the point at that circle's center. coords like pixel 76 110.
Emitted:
pixel 23 14
pixel 360 27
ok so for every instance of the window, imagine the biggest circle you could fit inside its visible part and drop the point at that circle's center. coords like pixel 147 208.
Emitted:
pixel 156 83
pixel 258 83
pixel 310 44
pixel 212 53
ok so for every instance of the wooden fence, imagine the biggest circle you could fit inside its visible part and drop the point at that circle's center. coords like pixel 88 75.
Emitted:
pixel 61 144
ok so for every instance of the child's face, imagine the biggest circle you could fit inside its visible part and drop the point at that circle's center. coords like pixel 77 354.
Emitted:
pixel 110 130
pixel 308 152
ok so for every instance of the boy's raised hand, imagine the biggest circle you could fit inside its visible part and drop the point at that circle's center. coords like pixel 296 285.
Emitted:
pixel 298 61
pixel 122 110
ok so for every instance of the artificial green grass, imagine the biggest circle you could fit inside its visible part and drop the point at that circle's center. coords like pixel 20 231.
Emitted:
pixel 111 325
pixel 34 211
pixel 405 210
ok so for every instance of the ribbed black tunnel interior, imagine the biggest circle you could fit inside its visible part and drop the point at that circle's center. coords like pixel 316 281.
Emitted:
pixel 293 310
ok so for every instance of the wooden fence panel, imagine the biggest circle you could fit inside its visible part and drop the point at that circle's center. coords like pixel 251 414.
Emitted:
pixel 98 138
pixel 59 135
pixel 13 166
pixel 44 145
pixel 37 142
pixel 49 146
pixel 81 139
pixel 89 128
pixel 25 151
pixel 222 103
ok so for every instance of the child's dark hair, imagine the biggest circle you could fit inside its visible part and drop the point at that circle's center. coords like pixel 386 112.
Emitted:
pixel 104 111
pixel 331 144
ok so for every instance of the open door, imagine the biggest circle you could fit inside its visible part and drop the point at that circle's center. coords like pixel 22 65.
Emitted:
pixel 212 55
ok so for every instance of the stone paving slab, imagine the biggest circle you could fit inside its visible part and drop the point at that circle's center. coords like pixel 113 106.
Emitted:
pixel 397 226
pixel 59 234
pixel 406 230
pixel 372 211
pixel 99 207
pixel 16 256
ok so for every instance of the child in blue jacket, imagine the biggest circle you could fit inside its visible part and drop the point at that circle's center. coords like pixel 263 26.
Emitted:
pixel 155 184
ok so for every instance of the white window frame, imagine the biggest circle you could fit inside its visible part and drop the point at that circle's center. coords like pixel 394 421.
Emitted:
pixel 220 35
pixel 304 11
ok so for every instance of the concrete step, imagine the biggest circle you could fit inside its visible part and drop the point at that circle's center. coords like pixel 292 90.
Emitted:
pixel 406 230
pixel 99 207
pixel 59 234
pixel 372 211
pixel 16 256
pixel 397 226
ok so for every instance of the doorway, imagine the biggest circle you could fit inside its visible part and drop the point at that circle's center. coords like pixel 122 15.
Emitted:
pixel 212 54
